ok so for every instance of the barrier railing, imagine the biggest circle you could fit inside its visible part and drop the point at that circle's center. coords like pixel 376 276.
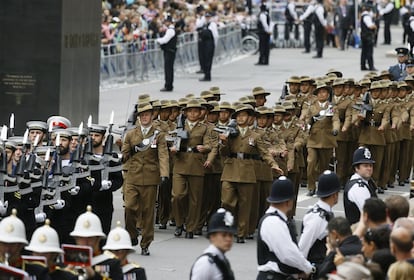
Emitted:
pixel 125 63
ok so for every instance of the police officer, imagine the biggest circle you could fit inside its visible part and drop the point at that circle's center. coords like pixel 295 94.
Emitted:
pixel 208 36
pixel 278 255
pixel 264 31
pixel 397 70
pixel 119 244
pixel 386 11
pixel 306 18
pixel 88 232
pixel 360 187
pixel 320 25
pixel 146 151
pixel 168 44
pixel 368 28
pixel 312 242
pixel 213 264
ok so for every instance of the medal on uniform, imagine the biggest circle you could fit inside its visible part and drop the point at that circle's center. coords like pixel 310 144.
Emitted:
pixel 154 144
pixel 251 141
pixel 146 141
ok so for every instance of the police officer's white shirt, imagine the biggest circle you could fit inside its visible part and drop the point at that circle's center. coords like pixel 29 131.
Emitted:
pixel 309 10
pixel 291 7
pixel 387 9
pixel 263 20
pixel 200 21
pixel 358 193
pixel 368 19
pixel 169 34
pixel 319 11
pixel 412 23
pixel 314 227
pixel 204 269
pixel 214 30
pixel 275 233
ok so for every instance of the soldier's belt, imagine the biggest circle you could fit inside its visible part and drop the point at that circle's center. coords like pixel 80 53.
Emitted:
pixel 245 156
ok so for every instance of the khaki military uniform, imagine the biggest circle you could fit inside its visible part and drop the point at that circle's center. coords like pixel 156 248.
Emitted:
pixel 344 140
pixel 145 168
pixel 374 139
pixel 212 185
pixel 188 177
pixel 320 142
pixel 239 176
pixel 294 137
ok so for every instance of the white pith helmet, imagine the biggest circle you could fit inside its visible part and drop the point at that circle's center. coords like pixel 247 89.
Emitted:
pixel 12 229
pixel 45 240
pixel 118 239
pixel 88 225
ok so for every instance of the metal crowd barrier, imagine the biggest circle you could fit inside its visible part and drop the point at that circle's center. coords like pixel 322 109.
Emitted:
pixel 132 62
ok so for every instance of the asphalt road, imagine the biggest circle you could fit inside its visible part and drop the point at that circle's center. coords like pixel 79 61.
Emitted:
pixel 171 257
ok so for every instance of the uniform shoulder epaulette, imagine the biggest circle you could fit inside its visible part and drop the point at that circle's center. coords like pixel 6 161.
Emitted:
pixel 103 257
pixel 65 269
pixel 130 266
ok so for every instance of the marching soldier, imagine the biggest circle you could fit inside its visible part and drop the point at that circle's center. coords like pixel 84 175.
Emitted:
pixel 260 96
pixel 226 110
pixel 373 125
pixel 239 176
pixel 294 136
pixel 342 102
pixel 102 198
pixel 37 128
pixel 146 151
pixel 324 122
pixel 188 172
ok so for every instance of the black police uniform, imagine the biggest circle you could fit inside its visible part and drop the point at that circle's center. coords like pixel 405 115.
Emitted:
pixel 207 47
pixel 169 50
pixel 264 38
pixel 367 40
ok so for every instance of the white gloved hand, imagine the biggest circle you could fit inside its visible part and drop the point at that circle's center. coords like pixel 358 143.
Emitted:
pixel 105 185
pixel 3 207
pixel 60 203
pixel 75 190
pixel 40 217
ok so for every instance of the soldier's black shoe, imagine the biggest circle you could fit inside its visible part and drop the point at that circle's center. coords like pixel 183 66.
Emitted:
pixel 303 185
pixel 172 223
pixel 407 181
pixel 189 235
pixel 250 237
pixel 401 184
pixel 317 56
pixel 204 79
pixel 134 241
pixel 240 240
pixel 198 232
pixel 162 226
pixel 311 193
pixel 390 186
pixel 200 72
pixel 145 252
pixel 380 190
pixel 178 231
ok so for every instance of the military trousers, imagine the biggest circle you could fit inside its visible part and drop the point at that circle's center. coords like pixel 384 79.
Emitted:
pixel 164 200
pixel 236 198
pixel 404 163
pixel 344 161
pixel 186 201
pixel 211 198
pixel 318 161
pixel 295 178
pixel 140 209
